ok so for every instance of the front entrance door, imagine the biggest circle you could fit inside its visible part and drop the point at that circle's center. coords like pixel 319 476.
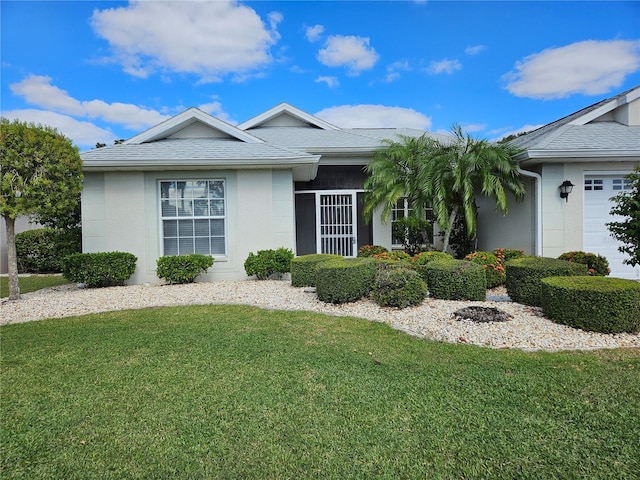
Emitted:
pixel 337 224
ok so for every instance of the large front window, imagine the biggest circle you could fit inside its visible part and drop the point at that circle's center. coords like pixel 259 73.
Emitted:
pixel 193 217
pixel 402 210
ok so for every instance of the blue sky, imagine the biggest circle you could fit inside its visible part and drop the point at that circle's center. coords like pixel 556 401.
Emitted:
pixel 100 71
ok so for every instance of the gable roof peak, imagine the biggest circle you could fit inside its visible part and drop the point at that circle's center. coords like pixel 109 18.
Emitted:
pixel 189 117
pixel 286 109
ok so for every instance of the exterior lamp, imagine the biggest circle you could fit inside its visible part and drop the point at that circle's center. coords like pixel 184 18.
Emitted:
pixel 565 190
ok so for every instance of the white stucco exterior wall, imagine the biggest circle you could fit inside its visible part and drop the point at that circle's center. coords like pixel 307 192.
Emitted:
pixel 259 215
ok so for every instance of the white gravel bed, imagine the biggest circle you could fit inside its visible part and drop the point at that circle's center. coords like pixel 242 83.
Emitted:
pixel 433 319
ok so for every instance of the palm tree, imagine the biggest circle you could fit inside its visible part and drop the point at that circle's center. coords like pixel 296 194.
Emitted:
pixel 454 171
pixel 394 173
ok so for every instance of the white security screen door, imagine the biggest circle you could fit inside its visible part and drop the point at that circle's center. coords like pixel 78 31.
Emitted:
pixel 337 227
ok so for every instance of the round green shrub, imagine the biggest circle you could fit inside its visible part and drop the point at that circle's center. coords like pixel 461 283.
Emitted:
pixel 421 260
pixel 524 276
pixel 182 268
pixel 456 280
pixel 370 250
pixel 345 280
pixel 305 268
pixel 598 304
pixel 102 269
pixel 493 268
pixel 398 287
pixel 597 264
pixel 266 263
pixel 43 250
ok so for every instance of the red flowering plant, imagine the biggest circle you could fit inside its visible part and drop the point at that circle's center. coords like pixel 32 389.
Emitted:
pixel 493 267
pixel 597 264
pixel 370 250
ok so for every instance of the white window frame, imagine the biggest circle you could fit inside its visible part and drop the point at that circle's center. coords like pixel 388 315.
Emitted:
pixel 406 211
pixel 194 217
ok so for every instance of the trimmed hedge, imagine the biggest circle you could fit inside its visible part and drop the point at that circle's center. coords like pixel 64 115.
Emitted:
pixel 268 262
pixel 102 269
pixel 305 268
pixel 524 276
pixel 456 280
pixel 598 304
pixel 43 250
pixel 182 268
pixel 421 260
pixel 398 287
pixel 345 280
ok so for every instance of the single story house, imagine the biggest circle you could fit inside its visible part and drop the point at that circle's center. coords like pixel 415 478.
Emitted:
pixel 593 149
pixel 286 178
pixel 197 184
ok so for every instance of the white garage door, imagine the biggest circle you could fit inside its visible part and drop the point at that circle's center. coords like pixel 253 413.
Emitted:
pixel 598 189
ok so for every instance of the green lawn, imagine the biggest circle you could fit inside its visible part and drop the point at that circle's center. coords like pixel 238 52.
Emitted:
pixel 236 392
pixel 31 284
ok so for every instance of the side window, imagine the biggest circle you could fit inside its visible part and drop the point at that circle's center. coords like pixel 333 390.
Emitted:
pixel 193 216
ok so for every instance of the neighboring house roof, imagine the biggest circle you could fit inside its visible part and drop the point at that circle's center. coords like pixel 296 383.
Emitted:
pixel 610 128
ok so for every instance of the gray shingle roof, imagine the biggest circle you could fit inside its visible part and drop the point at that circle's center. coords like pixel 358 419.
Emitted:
pixel 192 151
pixel 574 133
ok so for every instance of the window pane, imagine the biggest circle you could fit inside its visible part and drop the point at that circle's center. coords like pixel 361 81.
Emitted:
pixel 217 208
pixel 171 246
pixel 202 245
pixel 201 228
pixel 185 245
pixel 170 228
pixel 201 207
pixel 185 228
pixel 217 228
pixel 185 208
pixel 217 246
pixel 216 189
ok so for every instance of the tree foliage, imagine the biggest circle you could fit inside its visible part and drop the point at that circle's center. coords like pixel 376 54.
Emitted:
pixel 41 176
pixel 628 231
pixel 445 175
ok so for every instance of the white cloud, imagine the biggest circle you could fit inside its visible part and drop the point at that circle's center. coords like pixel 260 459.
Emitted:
pixel 330 81
pixel 215 109
pixel 474 50
pixel 209 39
pixel 374 116
pixel 348 51
pixel 473 127
pixel 38 90
pixel 130 116
pixel 444 66
pixel 314 33
pixel 83 134
pixel 393 70
pixel 589 67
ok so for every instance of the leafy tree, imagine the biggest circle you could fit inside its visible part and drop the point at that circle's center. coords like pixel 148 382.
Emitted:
pixel 628 230
pixel 41 176
pixel 394 173
pixel 456 169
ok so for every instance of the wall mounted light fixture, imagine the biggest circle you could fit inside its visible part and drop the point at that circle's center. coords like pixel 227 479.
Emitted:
pixel 565 190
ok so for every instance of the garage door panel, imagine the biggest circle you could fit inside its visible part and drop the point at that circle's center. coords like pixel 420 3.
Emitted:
pixel 598 191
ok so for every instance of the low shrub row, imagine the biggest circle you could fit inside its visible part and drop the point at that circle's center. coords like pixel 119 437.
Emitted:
pixel 595 303
pixel 524 276
pixel 345 279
